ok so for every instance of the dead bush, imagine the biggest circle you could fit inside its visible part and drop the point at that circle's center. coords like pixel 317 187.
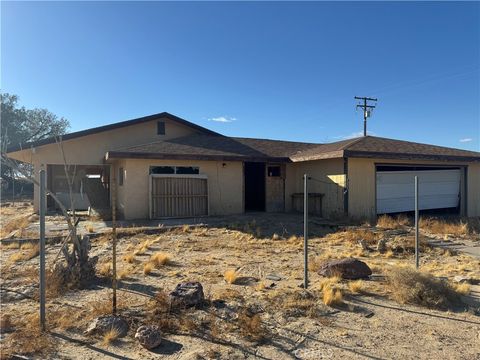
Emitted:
pixel 160 259
pixel 251 326
pixel 454 227
pixel 409 286
pixel 389 222
pixel 26 253
pixel 230 276
pixel 355 235
pixel 18 223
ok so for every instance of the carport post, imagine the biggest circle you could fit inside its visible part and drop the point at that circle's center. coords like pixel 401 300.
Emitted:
pixel 42 249
pixel 417 263
pixel 305 231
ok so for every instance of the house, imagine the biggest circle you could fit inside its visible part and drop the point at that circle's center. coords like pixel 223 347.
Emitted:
pixel 163 166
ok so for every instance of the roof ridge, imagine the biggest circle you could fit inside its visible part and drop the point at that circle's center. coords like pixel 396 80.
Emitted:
pixel 353 142
pixel 263 139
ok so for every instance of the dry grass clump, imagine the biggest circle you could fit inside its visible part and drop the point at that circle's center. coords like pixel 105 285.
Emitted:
pixel 409 286
pixel 148 268
pixel 89 228
pixel 186 228
pixel 129 258
pixel 251 327
pixel 111 336
pixel 230 276
pixel 356 286
pixel 355 235
pixel 160 259
pixel 18 223
pixel 389 222
pixel 32 251
pixel 442 227
pixel 331 292
pixel 105 269
pixel 463 289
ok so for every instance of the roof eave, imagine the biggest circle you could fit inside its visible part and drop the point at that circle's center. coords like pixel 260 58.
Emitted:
pixel 319 156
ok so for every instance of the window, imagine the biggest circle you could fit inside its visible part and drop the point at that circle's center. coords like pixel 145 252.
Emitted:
pixel 175 170
pixel 120 176
pixel 160 128
pixel 162 169
pixel 274 171
pixel 187 170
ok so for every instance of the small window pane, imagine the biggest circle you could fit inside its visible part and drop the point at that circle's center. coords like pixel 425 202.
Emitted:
pixel 162 170
pixel 160 128
pixel 120 176
pixel 274 171
pixel 187 170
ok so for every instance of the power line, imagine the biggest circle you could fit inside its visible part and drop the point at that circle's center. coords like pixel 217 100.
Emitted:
pixel 367 110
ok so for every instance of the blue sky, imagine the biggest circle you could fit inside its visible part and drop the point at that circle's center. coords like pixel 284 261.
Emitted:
pixel 271 69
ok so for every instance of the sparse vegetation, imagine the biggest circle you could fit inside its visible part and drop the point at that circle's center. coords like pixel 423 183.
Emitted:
pixel 32 250
pixel 160 259
pixel 356 286
pixel 111 336
pixel 389 222
pixel 409 286
pixel 148 268
pixel 439 226
pixel 251 326
pixel 230 276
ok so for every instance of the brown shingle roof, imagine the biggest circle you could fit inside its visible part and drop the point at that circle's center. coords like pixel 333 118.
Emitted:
pixel 214 148
pixel 208 147
pixel 377 147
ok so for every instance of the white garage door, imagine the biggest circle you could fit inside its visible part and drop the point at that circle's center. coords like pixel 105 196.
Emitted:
pixel 438 189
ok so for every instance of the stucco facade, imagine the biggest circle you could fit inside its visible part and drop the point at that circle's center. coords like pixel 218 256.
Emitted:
pixel 225 185
pixel 346 181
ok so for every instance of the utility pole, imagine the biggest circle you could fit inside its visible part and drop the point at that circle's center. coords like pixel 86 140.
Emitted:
pixel 366 110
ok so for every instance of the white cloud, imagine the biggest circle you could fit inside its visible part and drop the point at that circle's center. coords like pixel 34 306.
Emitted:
pixel 353 135
pixel 223 119
pixel 466 140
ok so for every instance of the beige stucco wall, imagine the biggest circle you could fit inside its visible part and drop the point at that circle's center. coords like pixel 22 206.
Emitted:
pixel 327 178
pixel 91 149
pixel 225 185
pixel 361 185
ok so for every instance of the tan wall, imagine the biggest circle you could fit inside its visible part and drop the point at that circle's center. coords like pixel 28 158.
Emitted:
pixel 327 178
pixel 361 185
pixel 225 185
pixel 91 149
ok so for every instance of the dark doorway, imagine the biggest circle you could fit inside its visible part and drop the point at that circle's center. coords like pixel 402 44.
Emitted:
pixel 254 186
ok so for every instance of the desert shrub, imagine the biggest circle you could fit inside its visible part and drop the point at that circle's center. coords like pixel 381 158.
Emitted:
pixel 18 223
pixel 439 226
pixel 159 259
pixel 230 276
pixel 356 286
pixel 389 222
pixel 148 268
pixel 409 286
pixel 355 235
pixel 111 336
pixel 251 326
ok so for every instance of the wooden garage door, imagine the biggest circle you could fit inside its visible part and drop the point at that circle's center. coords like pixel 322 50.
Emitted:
pixel 179 196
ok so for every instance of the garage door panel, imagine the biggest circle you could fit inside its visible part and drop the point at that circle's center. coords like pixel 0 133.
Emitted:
pixel 437 189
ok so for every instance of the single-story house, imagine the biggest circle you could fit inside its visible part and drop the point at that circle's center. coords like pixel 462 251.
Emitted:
pixel 162 166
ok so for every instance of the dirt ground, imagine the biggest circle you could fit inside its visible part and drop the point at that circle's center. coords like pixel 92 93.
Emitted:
pixel 262 313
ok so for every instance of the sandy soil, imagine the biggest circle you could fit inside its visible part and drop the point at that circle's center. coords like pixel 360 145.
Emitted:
pixel 294 323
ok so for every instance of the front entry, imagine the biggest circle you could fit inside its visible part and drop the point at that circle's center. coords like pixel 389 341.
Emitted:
pixel 254 173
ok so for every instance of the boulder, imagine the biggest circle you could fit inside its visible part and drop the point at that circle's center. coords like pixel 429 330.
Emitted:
pixel 149 336
pixel 187 294
pixel 105 323
pixel 349 268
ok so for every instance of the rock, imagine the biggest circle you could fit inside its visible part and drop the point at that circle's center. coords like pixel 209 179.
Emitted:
pixel 105 323
pixel 33 218
pixel 382 246
pixel 273 277
pixel 349 268
pixel 187 294
pixel 149 336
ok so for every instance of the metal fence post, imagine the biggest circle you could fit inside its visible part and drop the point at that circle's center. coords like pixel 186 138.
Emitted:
pixel 42 249
pixel 305 231
pixel 417 260
pixel 114 240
